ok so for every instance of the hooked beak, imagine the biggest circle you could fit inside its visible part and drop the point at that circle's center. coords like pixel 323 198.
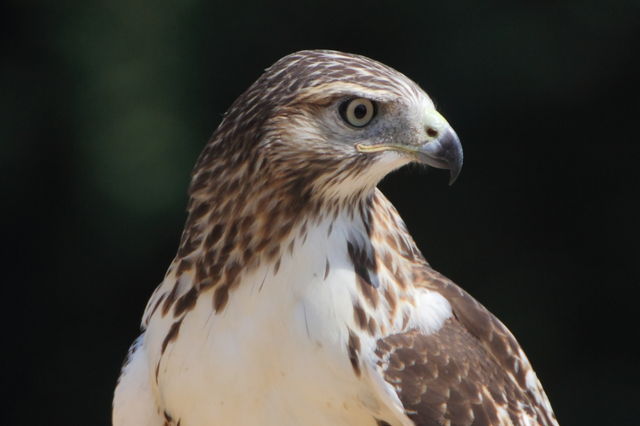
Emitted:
pixel 443 152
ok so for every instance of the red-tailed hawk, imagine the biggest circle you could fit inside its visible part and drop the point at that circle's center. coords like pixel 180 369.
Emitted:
pixel 297 296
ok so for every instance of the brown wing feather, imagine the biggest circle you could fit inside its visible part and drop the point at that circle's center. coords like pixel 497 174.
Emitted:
pixel 471 371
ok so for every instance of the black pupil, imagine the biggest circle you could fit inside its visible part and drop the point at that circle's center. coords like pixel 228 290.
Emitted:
pixel 360 111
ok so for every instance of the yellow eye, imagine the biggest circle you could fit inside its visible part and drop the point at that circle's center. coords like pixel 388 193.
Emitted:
pixel 358 112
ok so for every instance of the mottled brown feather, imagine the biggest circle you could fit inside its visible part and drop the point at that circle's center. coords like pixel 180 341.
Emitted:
pixel 463 372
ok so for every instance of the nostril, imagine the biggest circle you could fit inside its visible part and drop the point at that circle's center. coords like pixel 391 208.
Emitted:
pixel 432 132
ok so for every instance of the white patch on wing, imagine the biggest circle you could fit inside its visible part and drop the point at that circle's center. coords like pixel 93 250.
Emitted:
pixel 533 384
pixel 503 414
pixel 532 381
pixel 525 419
pixel 432 310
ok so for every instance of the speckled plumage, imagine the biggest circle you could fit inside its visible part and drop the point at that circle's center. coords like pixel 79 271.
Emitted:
pixel 297 295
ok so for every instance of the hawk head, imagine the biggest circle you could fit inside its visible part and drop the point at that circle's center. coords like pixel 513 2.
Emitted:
pixel 329 124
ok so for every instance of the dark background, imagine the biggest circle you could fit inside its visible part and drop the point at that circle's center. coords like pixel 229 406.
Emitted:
pixel 105 106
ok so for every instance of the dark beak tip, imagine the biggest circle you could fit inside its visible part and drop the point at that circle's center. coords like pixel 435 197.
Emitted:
pixel 444 153
pixel 452 178
pixel 454 172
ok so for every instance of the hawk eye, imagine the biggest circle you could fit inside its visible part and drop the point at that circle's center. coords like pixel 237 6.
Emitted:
pixel 357 112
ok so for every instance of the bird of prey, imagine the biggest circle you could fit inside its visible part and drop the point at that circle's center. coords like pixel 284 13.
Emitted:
pixel 297 295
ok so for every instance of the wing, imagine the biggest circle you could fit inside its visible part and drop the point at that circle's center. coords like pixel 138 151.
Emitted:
pixel 471 371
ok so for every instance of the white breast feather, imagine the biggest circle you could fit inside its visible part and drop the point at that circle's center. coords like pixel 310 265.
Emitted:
pixel 277 353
